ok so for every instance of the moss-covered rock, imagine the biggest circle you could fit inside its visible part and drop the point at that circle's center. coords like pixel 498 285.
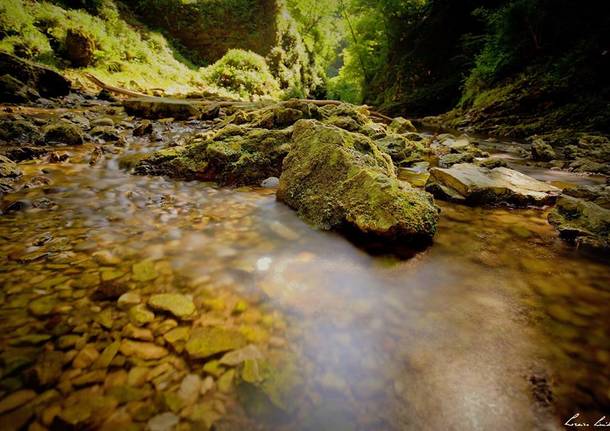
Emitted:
pixel 13 90
pixel 402 150
pixel 343 181
pixel 542 151
pixel 583 223
pixel 401 125
pixel 63 132
pixel 233 155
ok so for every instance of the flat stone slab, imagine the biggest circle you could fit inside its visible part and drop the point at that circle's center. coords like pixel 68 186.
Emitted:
pixel 162 107
pixel 472 184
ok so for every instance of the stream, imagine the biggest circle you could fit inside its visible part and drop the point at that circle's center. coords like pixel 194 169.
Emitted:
pixel 498 325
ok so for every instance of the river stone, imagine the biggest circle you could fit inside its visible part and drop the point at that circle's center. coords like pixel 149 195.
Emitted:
pixel 179 305
pixel 144 271
pixel 341 180
pixel 161 107
pixel 142 350
pixel 8 168
pixel 140 315
pixel 469 183
pixel 401 125
pixel 16 399
pixel 581 222
pixel 47 369
pixel 207 341
pixel 163 422
pixel 128 299
pixel 63 132
pixel 87 356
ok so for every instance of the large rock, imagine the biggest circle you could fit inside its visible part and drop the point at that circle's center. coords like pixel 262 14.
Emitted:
pixel 234 155
pixel 469 183
pixel 13 90
pixel 80 48
pixel 583 223
pixel 43 80
pixel 161 107
pixel 341 180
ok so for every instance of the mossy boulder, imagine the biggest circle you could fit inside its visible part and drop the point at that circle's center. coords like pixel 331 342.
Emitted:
pixel 583 223
pixel 233 155
pixel 63 132
pixel 343 181
pixel 402 150
pixel 401 125
pixel 541 151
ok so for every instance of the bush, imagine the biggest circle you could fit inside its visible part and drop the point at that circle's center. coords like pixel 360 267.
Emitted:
pixel 244 73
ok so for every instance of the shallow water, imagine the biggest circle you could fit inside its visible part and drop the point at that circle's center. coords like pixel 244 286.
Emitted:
pixel 499 325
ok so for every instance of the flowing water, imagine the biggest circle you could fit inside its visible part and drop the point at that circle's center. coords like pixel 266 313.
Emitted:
pixel 499 325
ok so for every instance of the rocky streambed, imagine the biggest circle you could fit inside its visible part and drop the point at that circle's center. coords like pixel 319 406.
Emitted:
pixel 194 273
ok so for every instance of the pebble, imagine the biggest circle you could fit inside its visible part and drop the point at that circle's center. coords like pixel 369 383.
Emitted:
pixel 16 399
pixel 86 357
pixel 179 305
pixel 163 422
pixel 142 350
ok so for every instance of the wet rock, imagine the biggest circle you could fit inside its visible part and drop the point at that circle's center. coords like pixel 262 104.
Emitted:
pixel 109 291
pixel 87 413
pixel 163 422
pixel 161 107
pixel 472 184
pixel 234 155
pixel 106 133
pixel 107 96
pixel 43 306
pixel 9 170
pixel 448 160
pixel 47 370
pixel 189 389
pixel 140 315
pixel 43 80
pixel 63 132
pixel 491 163
pixel 180 306
pixel 142 350
pixel 270 183
pixel 583 223
pixel 129 299
pixel 144 271
pixel 80 48
pixel 541 151
pixel 143 128
pixel 338 180
pixel 87 356
pixel 225 382
pixel 108 354
pixel 130 331
pixel 16 399
pixel 237 357
pixel 207 341
pixel 401 125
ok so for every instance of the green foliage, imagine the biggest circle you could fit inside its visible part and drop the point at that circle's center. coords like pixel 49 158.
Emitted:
pixel 244 73
pixel 37 30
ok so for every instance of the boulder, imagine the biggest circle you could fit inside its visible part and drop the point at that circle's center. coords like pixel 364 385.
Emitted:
pixel 469 183
pixel 343 181
pixel 233 155
pixel 14 91
pixel 63 132
pixel 541 151
pixel 80 48
pixel 401 125
pixel 583 223
pixel 161 107
pixel 402 150
pixel 43 80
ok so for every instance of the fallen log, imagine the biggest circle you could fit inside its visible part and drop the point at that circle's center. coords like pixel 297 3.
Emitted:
pixel 317 102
